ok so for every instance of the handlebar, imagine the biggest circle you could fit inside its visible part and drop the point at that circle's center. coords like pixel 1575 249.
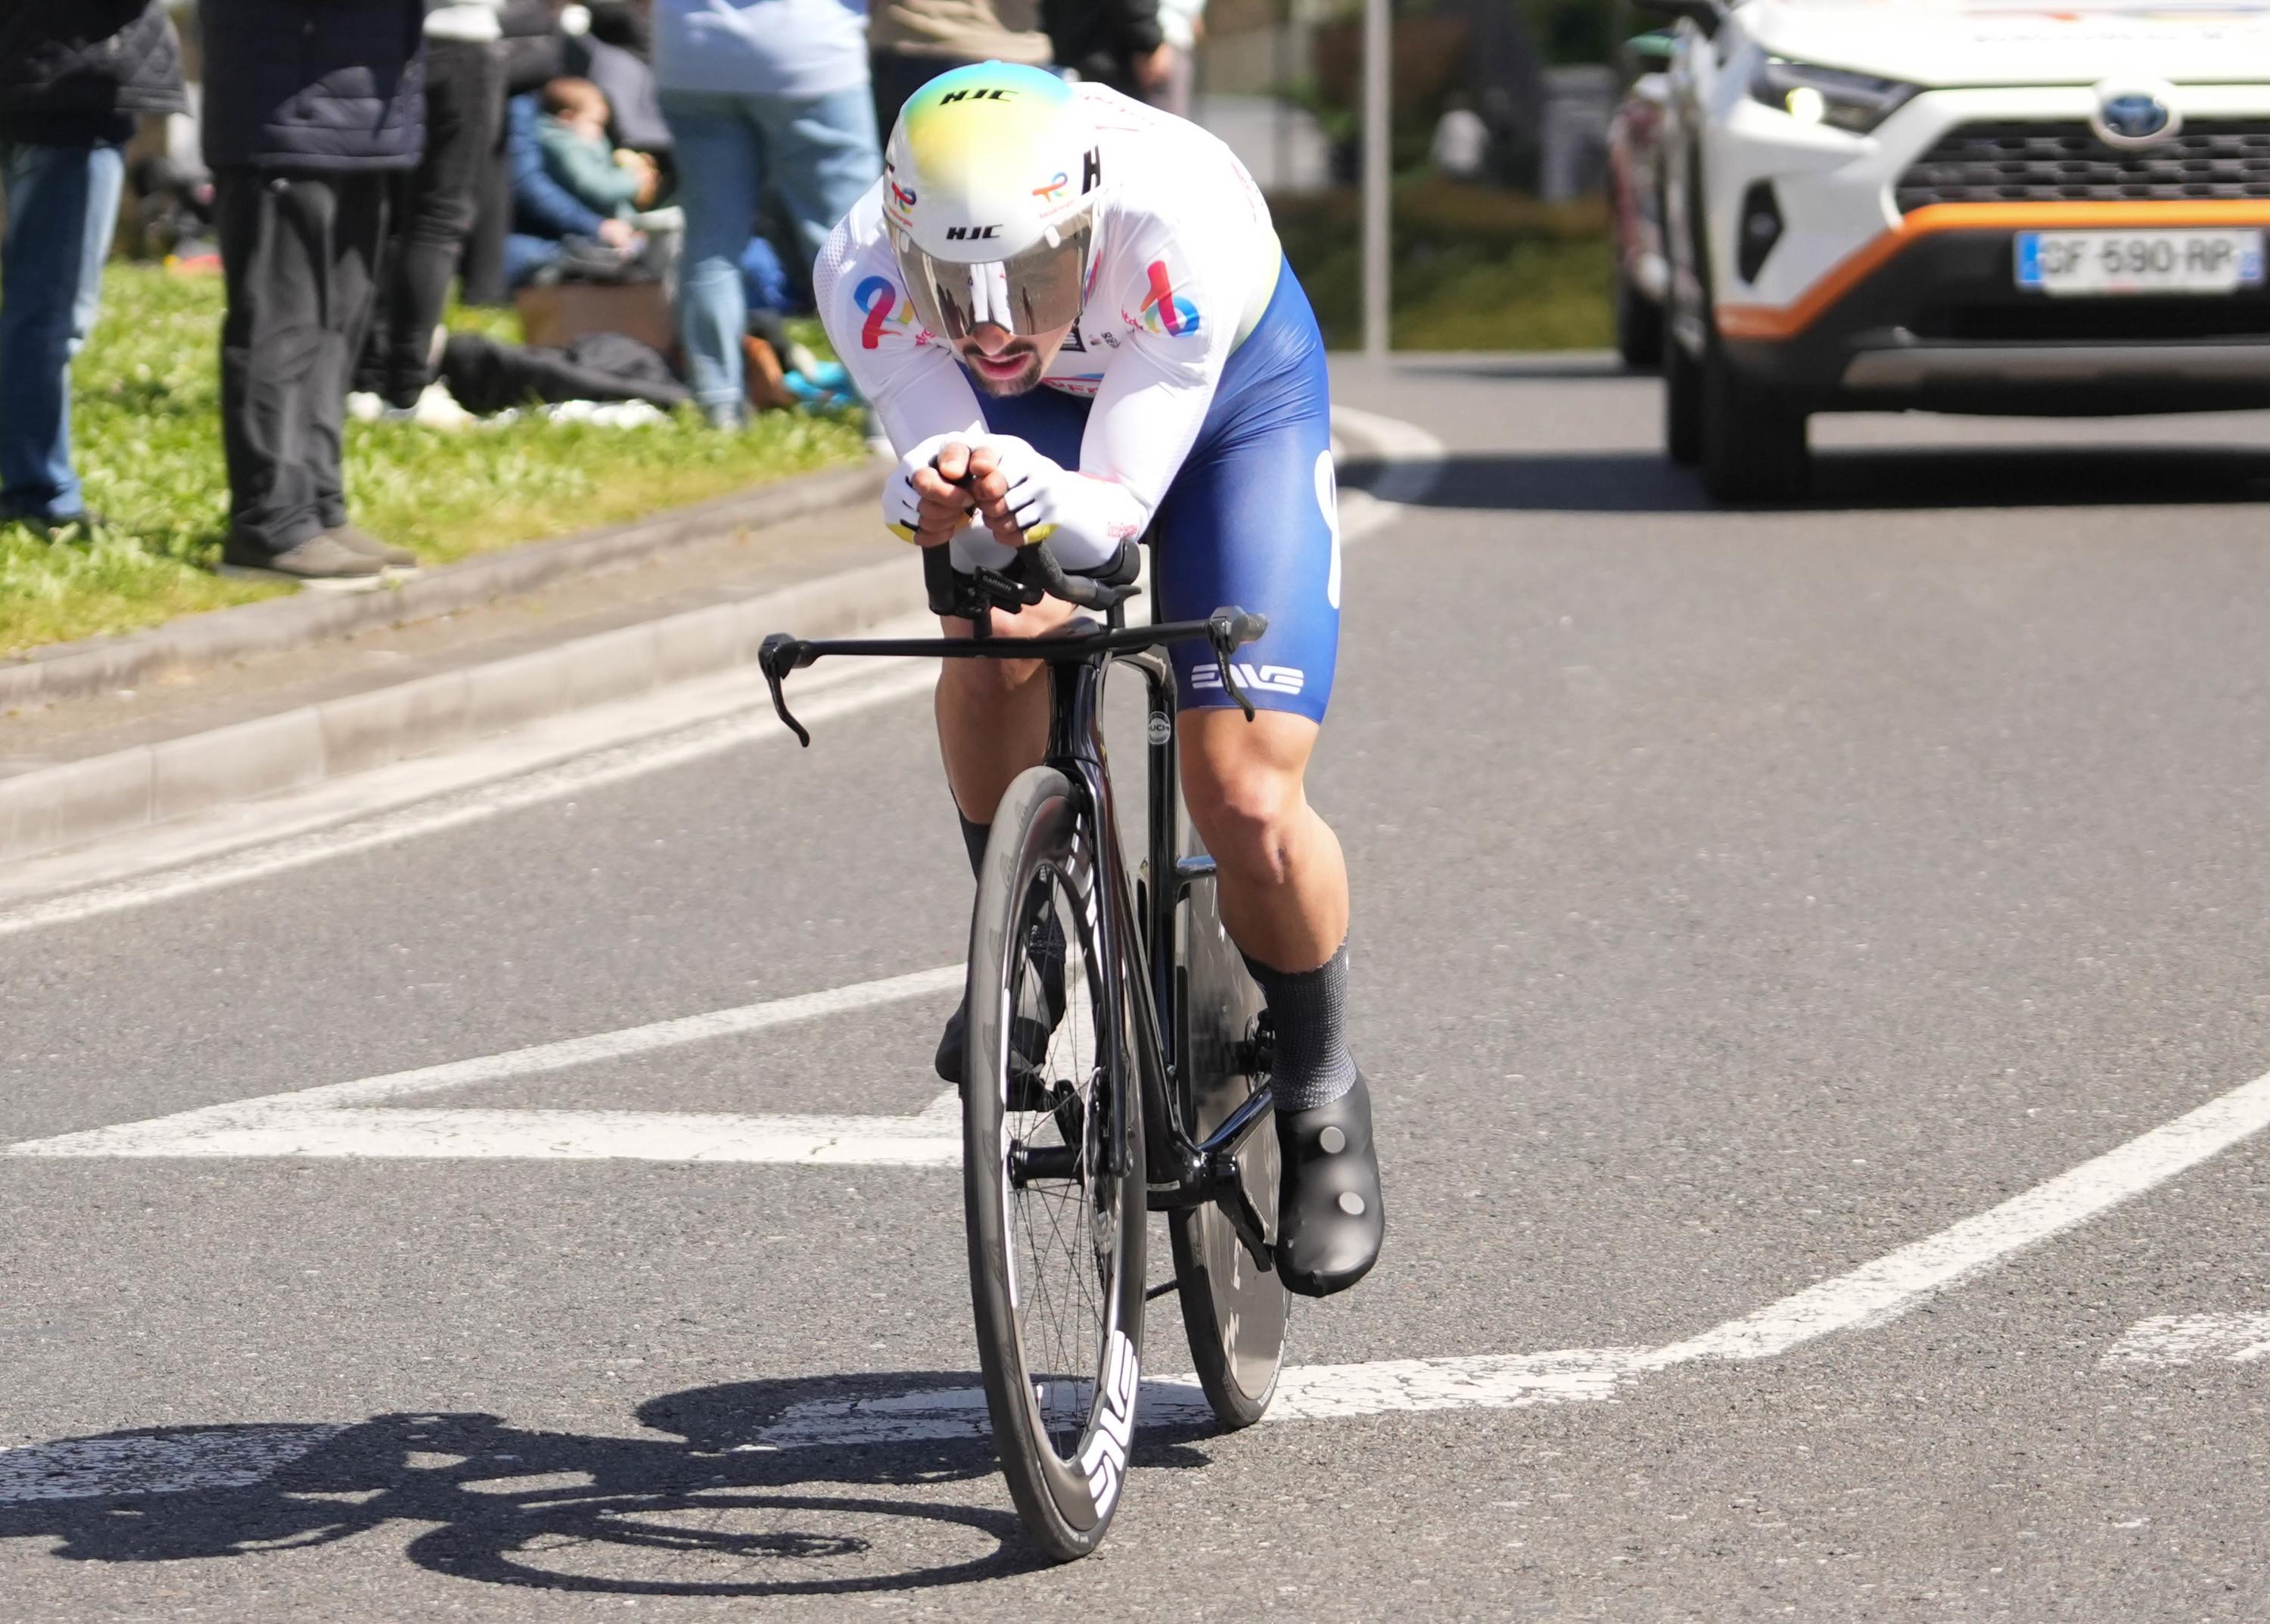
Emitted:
pixel 1225 631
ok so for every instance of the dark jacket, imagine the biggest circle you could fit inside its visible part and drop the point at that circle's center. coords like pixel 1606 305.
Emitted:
pixel 1102 38
pixel 76 72
pixel 316 84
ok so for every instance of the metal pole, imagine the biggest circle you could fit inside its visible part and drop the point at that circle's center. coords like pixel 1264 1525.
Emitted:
pixel 1376 138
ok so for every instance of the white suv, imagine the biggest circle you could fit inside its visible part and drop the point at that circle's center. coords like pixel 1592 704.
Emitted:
pixel 1929 205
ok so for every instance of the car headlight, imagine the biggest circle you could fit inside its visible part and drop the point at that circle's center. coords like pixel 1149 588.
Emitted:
pixel 1855 102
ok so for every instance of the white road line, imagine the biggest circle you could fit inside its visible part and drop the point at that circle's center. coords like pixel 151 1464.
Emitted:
pixel 918 1141
pixel 2193 1338
pixel 1304 1393
pixel 1866 1296
pixel 318 1121
pixel 157 1463
pixel 1890 1286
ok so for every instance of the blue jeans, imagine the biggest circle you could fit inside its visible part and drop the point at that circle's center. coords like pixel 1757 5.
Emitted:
pixel 63 203
pixel 820 153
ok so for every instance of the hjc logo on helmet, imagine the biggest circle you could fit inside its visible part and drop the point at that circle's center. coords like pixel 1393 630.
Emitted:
pixel 952 96
pixel 972 233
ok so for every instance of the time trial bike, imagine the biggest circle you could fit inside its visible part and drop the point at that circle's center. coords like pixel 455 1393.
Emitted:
pixel 1116 1059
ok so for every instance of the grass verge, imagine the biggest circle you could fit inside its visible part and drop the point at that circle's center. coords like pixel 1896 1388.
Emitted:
pixel 1474 268
pixel 146 436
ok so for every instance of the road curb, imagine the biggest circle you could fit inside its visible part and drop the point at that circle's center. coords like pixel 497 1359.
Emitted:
pixel 99 664
pixel 129 789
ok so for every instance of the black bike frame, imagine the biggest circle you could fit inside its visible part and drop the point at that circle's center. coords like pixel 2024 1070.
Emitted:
pixel 1183 1170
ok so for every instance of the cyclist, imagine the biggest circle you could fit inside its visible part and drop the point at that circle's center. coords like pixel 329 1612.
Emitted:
pixel 1070 312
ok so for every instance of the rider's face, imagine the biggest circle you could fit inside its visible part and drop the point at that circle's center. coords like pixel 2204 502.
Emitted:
pixel 1004 364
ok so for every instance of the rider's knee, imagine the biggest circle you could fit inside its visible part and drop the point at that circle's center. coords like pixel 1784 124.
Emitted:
pixel 1247 812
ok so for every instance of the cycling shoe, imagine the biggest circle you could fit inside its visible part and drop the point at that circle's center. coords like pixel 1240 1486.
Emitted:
pixel 1330 1221
pixel 1028 1048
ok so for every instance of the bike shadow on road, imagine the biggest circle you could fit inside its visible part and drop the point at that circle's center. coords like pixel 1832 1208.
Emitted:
pixel 706 1510
pixel 1846 479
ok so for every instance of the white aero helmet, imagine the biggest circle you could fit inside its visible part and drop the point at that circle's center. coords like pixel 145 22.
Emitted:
pixel 989 194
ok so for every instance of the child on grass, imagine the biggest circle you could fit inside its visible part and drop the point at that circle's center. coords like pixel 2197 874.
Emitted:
pixel 572 136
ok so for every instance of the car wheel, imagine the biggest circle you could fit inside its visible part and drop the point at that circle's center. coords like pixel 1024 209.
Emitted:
pixel 1753 446
pixel 1682 404
pixel 1639 326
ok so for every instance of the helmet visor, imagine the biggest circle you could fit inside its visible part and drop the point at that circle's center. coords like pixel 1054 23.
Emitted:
pixel 1029 293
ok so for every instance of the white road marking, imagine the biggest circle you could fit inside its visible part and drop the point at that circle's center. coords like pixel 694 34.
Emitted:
pixel 156 1462
pixel 1866 1296
pixel 332 1119
pixel 1879 1291
pixel 2193 1338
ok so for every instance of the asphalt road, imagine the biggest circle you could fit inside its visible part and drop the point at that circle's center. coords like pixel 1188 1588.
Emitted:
pixel 1740 899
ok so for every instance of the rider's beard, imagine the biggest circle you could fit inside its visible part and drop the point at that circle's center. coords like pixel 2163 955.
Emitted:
pixel 1026 375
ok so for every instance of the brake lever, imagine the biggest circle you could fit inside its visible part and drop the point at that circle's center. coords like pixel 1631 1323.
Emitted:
pixel 1228 630
pixel 779 655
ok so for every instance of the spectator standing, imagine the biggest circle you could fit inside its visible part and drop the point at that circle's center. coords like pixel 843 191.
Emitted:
pixel 1114 43
pixel 911 42
pixel 310 109
pixel 760 95
pixel 74 75
pixel 434 205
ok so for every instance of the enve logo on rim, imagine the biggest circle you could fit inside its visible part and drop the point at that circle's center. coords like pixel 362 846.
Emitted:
pixel 2131 115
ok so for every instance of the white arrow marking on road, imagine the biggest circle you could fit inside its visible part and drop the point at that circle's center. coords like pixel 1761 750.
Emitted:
pixel 2193 1338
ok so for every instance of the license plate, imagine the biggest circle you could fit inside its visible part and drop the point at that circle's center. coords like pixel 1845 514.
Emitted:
pixel 2140 262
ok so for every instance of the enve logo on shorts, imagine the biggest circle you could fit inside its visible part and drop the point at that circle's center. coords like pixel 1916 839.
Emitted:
pixel 1255 678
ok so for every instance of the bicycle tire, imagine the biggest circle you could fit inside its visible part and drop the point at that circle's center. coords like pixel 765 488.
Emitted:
pixel 1059 1337
pixel 1235 1311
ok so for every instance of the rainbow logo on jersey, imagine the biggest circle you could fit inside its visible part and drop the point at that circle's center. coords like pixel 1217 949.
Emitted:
pixel 1165 311
pixel 881 301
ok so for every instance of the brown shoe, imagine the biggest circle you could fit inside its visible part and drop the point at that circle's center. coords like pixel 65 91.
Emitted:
pixel 318 561
pixel 761 374
pixel 355 538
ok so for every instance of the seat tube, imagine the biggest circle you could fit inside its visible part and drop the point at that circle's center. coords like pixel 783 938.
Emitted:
pixel 1165 809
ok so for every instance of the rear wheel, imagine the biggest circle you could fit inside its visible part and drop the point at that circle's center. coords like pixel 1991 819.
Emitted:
pixel 1052 1172
pixel 1753 446
pixel 1235 1309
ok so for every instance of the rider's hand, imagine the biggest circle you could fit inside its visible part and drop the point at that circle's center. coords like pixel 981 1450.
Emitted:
pixel 921 502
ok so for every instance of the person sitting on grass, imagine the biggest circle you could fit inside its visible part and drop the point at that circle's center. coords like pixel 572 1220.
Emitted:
pixel 572 136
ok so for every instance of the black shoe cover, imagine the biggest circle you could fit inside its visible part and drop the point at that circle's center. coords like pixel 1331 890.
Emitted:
pixel 1330 1221
pixel 1028 1045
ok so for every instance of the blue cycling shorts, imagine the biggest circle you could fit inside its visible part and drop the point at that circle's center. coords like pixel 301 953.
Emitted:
pixel 1253 517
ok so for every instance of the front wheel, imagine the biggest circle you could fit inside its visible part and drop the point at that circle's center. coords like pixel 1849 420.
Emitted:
pixel 1053 1171
pixel 1639 325
pixel 1753 446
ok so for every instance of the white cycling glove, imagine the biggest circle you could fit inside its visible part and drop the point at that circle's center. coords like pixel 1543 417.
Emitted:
pixel 902 508
pixel 1083 519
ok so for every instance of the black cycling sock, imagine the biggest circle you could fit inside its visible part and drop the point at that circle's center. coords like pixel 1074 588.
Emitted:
pixel 973 836
pixel 1308 1013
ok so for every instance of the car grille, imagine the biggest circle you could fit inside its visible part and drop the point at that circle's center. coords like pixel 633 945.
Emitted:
pixel 2060 162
